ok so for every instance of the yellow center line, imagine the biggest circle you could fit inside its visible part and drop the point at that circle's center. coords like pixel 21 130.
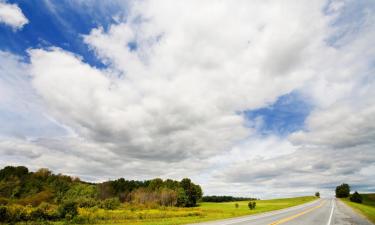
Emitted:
pixel 284 220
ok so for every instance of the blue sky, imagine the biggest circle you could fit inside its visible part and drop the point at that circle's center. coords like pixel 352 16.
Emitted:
pixel 283 117
pixel 61 24
pixel 301 76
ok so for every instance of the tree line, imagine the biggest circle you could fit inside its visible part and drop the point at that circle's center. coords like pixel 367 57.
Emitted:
pixel 343 191
pixel 224 198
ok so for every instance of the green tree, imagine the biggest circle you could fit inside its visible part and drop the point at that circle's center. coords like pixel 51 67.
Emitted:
pixel 251 205
pixel 356 197
pixel 155 184
pixel 317 194
pixel 193 192
pixel 182 198
pixel 342 191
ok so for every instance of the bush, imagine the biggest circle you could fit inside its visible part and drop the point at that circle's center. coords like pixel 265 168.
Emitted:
pixel 17 213
pixel 251 205
pixel 236 205
pixel 356 197
pixel 36 199
pixel 317 194
pixel 110 203
pixel 3 201
pixel 4 214
pixel 68 210
pixel 87 202
pixel 38 214
pixel 342 191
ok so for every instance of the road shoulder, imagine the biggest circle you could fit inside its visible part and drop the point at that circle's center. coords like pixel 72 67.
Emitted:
pixel 346 214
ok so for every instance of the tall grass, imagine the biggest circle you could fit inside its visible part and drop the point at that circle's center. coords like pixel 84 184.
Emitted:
pixel 147 215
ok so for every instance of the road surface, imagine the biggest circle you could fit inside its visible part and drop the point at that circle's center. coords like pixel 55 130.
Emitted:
pixel 319 212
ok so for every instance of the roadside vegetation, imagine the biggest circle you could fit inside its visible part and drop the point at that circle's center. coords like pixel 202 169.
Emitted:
pixel 367 207
pixel 362 203
pixel 42 197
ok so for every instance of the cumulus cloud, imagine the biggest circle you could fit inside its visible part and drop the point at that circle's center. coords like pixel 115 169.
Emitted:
pixel 178 76
pixel 179 91
pixel 22 113
pixel 12 15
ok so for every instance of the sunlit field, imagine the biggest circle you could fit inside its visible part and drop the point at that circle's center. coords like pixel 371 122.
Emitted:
pixel 128 214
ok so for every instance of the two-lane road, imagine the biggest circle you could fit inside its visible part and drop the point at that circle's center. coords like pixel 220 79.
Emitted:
pixel 319 212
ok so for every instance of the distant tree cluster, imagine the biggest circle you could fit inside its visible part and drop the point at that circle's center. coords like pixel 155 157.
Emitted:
pixel 252 205
pixel 224 198
pixel 342 191
pixel 356 197
pixel 55 196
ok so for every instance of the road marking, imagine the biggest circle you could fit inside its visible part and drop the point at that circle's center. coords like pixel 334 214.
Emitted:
pixel 284 220
pixel 330 216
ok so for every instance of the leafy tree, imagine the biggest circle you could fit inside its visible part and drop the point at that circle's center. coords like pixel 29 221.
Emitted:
pixel 155 184
pixel 342 191
pixel 182 198
pixel 18 171
pixel 356 197
pixel 236 205
pixel 80 191
pixel 192 191
pixel 251 205
pixel 317 194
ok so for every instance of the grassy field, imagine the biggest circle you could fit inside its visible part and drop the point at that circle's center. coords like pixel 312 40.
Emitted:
pixel 173 216
pixel 367 207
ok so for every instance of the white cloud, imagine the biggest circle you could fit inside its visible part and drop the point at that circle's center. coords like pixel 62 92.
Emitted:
pixel 12 15
pixel 22 113
pixel 187 79
pixel 170 107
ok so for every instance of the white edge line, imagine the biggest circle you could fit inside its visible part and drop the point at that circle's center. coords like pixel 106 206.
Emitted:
pixel 330 216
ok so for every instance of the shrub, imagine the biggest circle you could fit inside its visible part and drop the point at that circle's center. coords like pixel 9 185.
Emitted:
pixel 36 199
pixel 87 202
pixel 356 197
pixel 236 205
pixel 17 213
pixel 317 194
pixel 251 205
pixel 110 203
pixel 4 214
pixel 68 210
pixel 3 201
pixel 342 191
pixel 38 214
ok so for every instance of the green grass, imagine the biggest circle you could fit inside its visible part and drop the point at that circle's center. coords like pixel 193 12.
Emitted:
pixel 367 208
pixel 175 216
